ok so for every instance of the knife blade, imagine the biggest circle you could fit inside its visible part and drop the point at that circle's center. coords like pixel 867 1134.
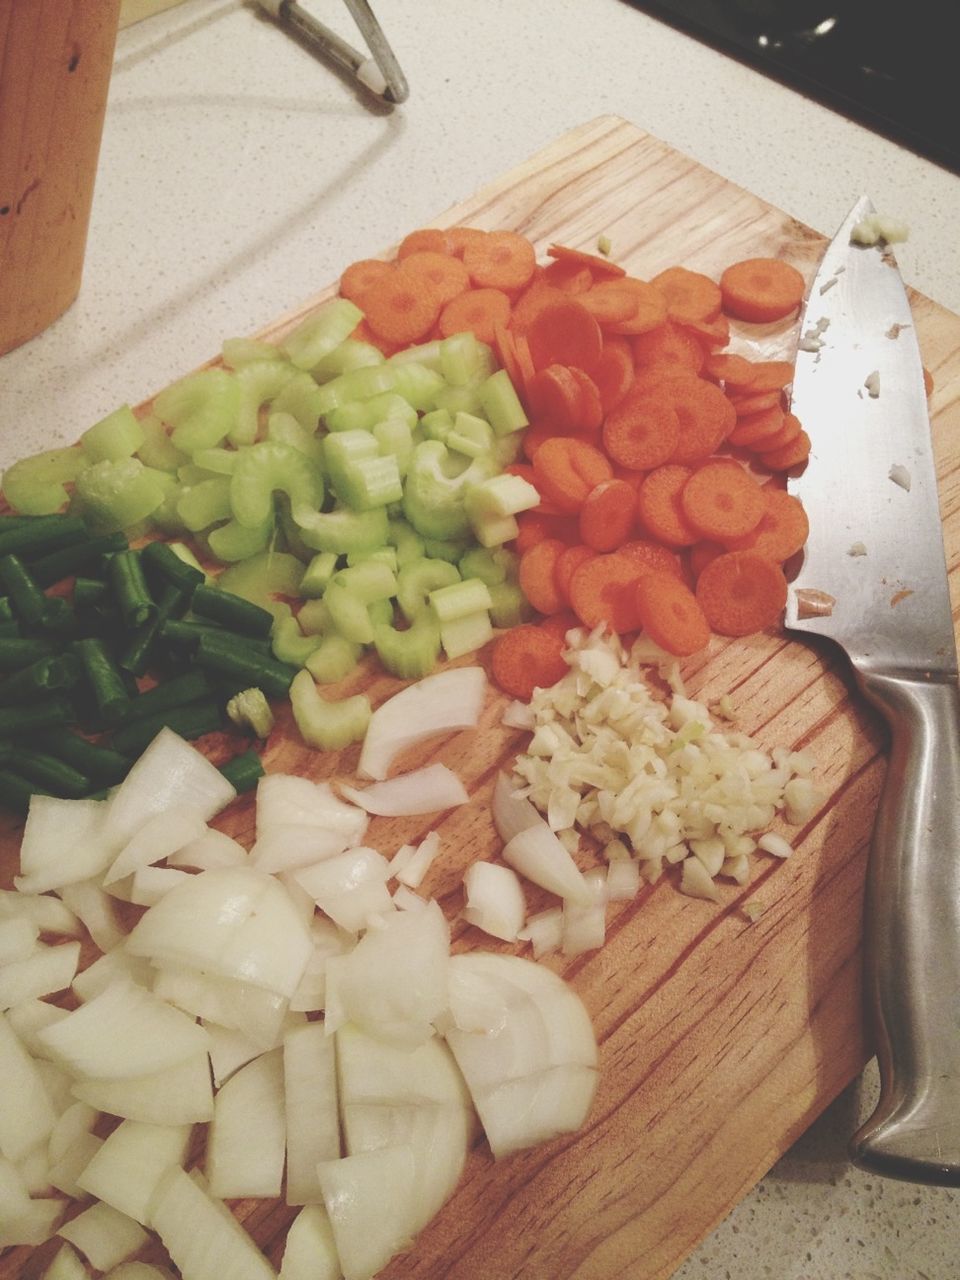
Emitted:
pixel 874 581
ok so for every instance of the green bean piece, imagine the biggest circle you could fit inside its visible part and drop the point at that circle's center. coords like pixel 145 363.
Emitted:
pixel 139 653
pixel 87 591
pixel 231 611
pixel 48 713
pixel 60 619
pixel 10 630
pixel 243 772
pixel 55 776
pixel 130 589
pixel 43 676
pixel 102 764
pixel 232 656
pixel 27 599
pixel 17 653
pixel 186 635
pixel 104 678
pixel 40 534
pixel 164 566
pixel 65 562
pixel 193 686
pixel 191 721
pixel 15 791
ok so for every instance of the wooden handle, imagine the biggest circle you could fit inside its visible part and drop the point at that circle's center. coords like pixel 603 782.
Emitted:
pixel 55 63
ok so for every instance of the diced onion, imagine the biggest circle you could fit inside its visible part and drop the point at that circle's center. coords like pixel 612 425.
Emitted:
pixel 495 901
pixel 426 790
pixel 441 703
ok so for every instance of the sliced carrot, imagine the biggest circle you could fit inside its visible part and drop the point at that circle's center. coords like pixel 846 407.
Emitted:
pixel 531 302
pixel 652 555
pixel 558 624
pixel 402 308
pixel 501 260
pixel 666 350
pixel 608 515
pixel 478 311
pixel 361 276
pixel 782 530
pixel 690 295
pixel 700 555
pixel 705 414
pixel 459 237
pixel 526 658
pixel 761 289
pixel 642 431
pixel 534 526
pixel 363 333
pixel 722 500
pixel 752 428
pixel 568 562
pixel 745 403
pixel 447 275
pixel 506 348
pixel 788 432
pixel 650 309
pixel 535 435
pixel 741 592
pixel 791 455
pixel 536 575
pixel 524 359
pixel 600 266
pixel 671 615
pixel 564 333
pixel 712 333
pixel 660 510
pixel 609 301
pixel 613 372
pixel 604 590
pixel 734 370
pixel 591 406
pixel 633 478
pixel 770 375
pixel 566 469
pixel 570 277
pixel 556 397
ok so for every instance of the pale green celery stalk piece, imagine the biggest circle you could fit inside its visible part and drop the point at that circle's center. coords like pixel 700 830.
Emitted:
pixel 429 354
pixel 382 555
pixel 348 613
pixel 322 332
pixel 394 438
pixel 406 540
pixel 506 449
pixel 314 617
pixel 115 495
pixel 204 504
pixel 482 563
pixel 34 486
pixel 317 575
pixel 263 575
pixel 184 552
pixel 358 384
pixel 493 531
pixel 437 424
pixel 157 449
pixel 460 599
pixel 221 462
pixel 201 409
pixel 266 468
pixel 334 657
pixel 327 725
pixel 283 428
pixel 353 416
pixel 390 406
pixel 509 605
pixel 289 644
pixel 300 397
pixel 342 447
pixel 465 399
pixel 250 709
pixel 240 351
pixel 190 474
pixel 118 435
pixel 418 384
pixel 470 435
pixel 366 483
pixel 465 359
pixel 349 355
pixel 260 383
pixel 410 654
pixel 417 580
pixel 232 542
pixel 451 549
pixel 433 499
pixel 369 581
pixel 381 611
pixel 342 531
pixel 503 495
pixel 501 404
pixel 465 634
pixel 166 517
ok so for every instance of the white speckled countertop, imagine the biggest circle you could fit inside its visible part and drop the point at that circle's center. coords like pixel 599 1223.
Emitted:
pixel 238 176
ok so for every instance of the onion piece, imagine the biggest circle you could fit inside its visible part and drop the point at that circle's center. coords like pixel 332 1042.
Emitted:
pixel 18 938
pixel 312 1119
pixel 511 813
pixel 246 1142
pixel 539 856
pixel 309 1252
pixel 350 888
pixel 543 930
pixel 63 841
pixel 445 702
pixel 176 1095
pixel 285 800
pixel 212 849
pixel 495 901
pixel 47 970
pixel 204 1240
pixel 104 1236
pixel 97 911
pixel 46 912
pixel 426 790
pixel 411 874
pixel 370 1202
pixel 156 839
pixel 128 1165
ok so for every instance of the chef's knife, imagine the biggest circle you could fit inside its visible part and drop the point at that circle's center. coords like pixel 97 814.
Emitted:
pixel 874 581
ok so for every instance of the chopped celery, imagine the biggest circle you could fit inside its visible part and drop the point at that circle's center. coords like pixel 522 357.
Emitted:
pixel 482 563
pixel 408 543
pixel 437 424
pixel 352 416
pixel 283 428
pixel 233 541
pixel 238 351
pixel 395 438
pixel 116 495
pixel 348 613
pixel 460 599
pixel 289 644
pixel 382 555
pixel 183 552
pixel 317 574
pixel 204 504
pixel 429 354
pixel 470 435
pixel 118 435
pixel 263 575
pixel 250 709
pixel 417 383
pixel 604 246
pixel 259 382
pixel 501 404
pixel 493 531
pixel 366 483
pixel 465 633
pixel 445 548
pixel 190 474
pixel 433 499
pixel 34 486
pixel 369 581
pixel 342 531
pixel 410 654
pixel 201 409
pixel 265 468
pixel 349 355
pixel 347 446
pixel 314 617
pixel 381 611
pixel 365 414
pixel 220 461
pixel 358 384
pixel 301 398
pixel 465 399
pixel 327 725
pixel 506 449
pixel 334 657
pixel 502 495
pixel 157 450
pixel 464 358
pixel 509 605
pixel 322 332
pixel 417 580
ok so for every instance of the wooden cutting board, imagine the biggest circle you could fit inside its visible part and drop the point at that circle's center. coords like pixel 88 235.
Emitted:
pixel 721 1039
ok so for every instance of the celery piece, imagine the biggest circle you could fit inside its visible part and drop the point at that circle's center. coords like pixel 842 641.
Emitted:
pixel 368 582
pixel 466 633
pixel 283 428
pixel 190 474
pixel 503 495
pixel 239 351
pixel 347 446
pixel 506 449
pixel 342 531
pixel 204 504
pixel 116 495
pixel 382 555
pixel 482 563
pixel 118 435
pixel 313 617
pixel 233 541
pixel 348 613
pixel 334 657
pixel 510 606
pixel 317 574
pixel 417 580
pixel 349 355
pixel 437 424
pixel 429 354
pixel 157 450
pixel 470 435
pixel 220 462
pixel 394 438
pixel 390 407
pixel 465 399
pixel 459 599
pixel 451 549
pixel 166 517
pixel 358 384
pixel 464 358
pixel 201 409
pixel 249 709
pixel 352 416
pixel 260 382
pixel 418 384
pixel 34 486
pixel 366 483
pixel 322 332
pixel 501 404
pixel 301 398
pixel 265 468
pixel 327 725
pixel 493 531
pixel 289 644
pixel 406 541
pixel 433 497
pixel 261 576
pixel 381 611
pixel 410 654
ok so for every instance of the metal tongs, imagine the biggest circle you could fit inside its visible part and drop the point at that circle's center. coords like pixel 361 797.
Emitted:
pixel 378 72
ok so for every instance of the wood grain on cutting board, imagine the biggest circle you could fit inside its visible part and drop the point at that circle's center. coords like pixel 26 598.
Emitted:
pixel 721 1040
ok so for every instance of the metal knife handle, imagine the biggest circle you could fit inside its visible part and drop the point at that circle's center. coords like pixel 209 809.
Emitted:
pixel 912 936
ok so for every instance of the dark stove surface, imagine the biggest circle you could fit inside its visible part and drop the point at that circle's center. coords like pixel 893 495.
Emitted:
pixel 892 67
